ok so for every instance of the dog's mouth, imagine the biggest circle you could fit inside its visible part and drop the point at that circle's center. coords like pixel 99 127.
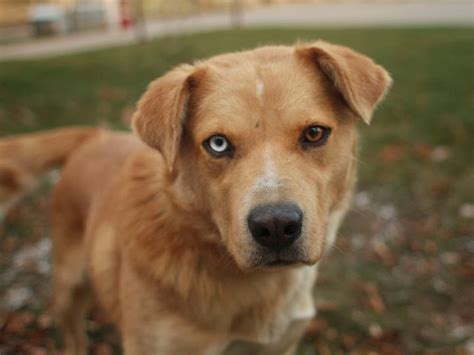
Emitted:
pixel 281 262
pixel 274 260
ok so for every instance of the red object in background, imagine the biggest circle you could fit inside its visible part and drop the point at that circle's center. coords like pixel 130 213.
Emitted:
pixel 126 19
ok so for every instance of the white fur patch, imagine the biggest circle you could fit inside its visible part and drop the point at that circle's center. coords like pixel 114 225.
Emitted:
pixel 259 89
pixel 302 304
pixel 270 179
pixel 335 219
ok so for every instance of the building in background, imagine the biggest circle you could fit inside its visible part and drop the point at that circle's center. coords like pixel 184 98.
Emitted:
pixel 58 16
pixel 26 17
pixel 83 14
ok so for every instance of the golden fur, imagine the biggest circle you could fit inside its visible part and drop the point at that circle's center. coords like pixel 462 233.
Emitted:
pixel 159 232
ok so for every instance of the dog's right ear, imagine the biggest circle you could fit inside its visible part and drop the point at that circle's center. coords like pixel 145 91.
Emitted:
pixel 161 111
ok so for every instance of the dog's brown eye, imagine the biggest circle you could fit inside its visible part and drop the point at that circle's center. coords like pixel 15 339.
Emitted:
pixel 315 135
pixel 218 145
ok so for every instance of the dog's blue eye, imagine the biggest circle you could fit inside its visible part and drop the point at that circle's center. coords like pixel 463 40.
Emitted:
pixel 218 145
pixel 315 135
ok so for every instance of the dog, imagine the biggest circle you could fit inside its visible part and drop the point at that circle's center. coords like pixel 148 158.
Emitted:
pixel 202 232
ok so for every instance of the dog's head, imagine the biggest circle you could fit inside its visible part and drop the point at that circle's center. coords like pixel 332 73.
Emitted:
pixel 264 141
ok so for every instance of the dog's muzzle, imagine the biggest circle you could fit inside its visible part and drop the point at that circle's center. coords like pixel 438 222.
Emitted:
pixel 275 226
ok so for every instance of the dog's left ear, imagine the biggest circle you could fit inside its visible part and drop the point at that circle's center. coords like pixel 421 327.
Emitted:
pixel 361 82
pixel 161 111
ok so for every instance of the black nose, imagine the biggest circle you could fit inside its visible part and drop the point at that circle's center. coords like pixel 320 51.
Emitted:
pixel 275 226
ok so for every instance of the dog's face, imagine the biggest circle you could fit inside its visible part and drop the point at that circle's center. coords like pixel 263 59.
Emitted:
pixel 265 142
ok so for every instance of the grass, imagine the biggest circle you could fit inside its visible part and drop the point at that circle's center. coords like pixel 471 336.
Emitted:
pixel 399 281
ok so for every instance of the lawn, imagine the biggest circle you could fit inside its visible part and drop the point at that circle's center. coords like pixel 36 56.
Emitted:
pixel 400 279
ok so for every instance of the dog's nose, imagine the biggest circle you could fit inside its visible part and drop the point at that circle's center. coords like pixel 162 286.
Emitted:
pixel 275 226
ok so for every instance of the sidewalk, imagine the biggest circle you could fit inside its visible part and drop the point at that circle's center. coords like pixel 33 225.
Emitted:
pixel 420 13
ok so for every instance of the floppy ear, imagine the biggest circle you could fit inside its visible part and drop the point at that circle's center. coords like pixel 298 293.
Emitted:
pixel 162 110
pixel 361 82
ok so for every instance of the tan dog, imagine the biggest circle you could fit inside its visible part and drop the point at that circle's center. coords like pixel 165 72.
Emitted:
pixel 208 242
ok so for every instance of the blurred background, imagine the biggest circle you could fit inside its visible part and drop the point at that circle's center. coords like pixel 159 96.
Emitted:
pixel 400 280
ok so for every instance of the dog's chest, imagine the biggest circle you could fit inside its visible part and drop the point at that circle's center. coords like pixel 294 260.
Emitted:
pixel 286 321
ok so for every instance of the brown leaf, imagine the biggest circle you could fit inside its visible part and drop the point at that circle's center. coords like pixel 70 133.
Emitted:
pixel 315 327
pixel 374 298
pixel 322 348
pixel 387 343
pixel 391 153
pixel 35 350
pixel 331 334
pixel 423 150
pixel 45 321
pixel 383 253
pixel 18 322
pixel 440 187
pixel 348 341
pixel 103 349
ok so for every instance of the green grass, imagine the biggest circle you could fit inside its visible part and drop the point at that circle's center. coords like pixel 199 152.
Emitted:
pixel 427 299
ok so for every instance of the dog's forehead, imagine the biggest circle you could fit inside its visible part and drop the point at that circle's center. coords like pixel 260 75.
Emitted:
pixel 273 82
pixel 269 68
pixel 262 54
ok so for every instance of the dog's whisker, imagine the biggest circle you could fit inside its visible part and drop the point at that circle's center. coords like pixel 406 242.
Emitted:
pixel 337 248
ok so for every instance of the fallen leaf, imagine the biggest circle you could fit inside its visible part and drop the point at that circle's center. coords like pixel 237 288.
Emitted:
pixel 391 153
pixel 315 327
